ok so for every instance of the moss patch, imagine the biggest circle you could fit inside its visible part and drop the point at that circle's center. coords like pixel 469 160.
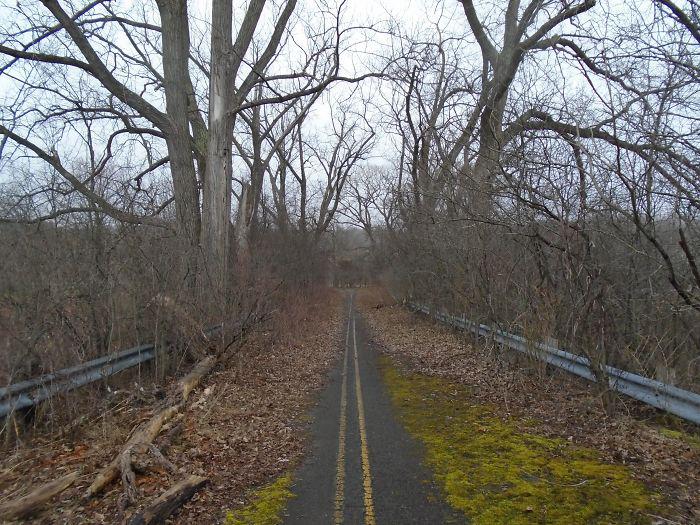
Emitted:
pixel 690 439
pixel 266 506
pixel 498 474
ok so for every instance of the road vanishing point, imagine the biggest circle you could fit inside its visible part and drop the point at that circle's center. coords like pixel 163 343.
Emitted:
pixel 363 468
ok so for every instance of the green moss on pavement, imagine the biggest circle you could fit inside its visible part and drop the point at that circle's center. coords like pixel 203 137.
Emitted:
pixel 497 474
pixel 266 506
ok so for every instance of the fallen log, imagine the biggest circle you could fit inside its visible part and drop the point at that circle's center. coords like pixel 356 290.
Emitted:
pixel 35 500
pixel 142 438
pixel 168 502
pixel 191 380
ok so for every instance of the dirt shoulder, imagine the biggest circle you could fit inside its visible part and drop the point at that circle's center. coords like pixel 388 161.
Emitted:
pixel 242 427
pixel 547 402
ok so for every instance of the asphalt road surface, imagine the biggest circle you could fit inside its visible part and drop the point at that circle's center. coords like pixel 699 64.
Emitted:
pixel 363 468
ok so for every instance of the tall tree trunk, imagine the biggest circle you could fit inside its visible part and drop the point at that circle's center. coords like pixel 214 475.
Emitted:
pixel 217 180
pixel 491 144
pixel 176 48
pixel 243 223
pixel 251 193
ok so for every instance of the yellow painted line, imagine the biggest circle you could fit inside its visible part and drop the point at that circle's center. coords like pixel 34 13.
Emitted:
pixel 340 466
pixel 366 472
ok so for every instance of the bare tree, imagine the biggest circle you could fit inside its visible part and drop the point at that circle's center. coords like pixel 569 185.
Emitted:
pixel 151 57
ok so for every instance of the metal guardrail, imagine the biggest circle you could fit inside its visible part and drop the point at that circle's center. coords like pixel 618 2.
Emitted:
pixel 682 403
pixel 31 392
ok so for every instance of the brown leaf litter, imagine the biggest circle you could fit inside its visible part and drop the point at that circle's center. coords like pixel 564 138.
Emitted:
pixel 243 426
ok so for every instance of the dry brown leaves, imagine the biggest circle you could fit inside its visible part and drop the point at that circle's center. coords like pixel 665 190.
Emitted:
pixel 244 425
pixel 559 404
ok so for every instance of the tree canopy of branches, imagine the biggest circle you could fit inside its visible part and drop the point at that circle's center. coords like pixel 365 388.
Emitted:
pixel 546 173
pixel 154 97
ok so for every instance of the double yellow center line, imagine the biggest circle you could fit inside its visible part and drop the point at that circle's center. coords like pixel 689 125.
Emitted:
pixel 340 467
pixel 364 447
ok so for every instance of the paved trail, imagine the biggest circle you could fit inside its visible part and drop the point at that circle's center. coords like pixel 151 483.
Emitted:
pixel 363 468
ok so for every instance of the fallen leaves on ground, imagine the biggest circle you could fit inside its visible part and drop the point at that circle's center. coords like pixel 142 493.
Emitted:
pixel 245 425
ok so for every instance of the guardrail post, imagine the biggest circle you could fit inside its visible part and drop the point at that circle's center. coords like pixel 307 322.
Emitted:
pixel 551 341
pixel 666 375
